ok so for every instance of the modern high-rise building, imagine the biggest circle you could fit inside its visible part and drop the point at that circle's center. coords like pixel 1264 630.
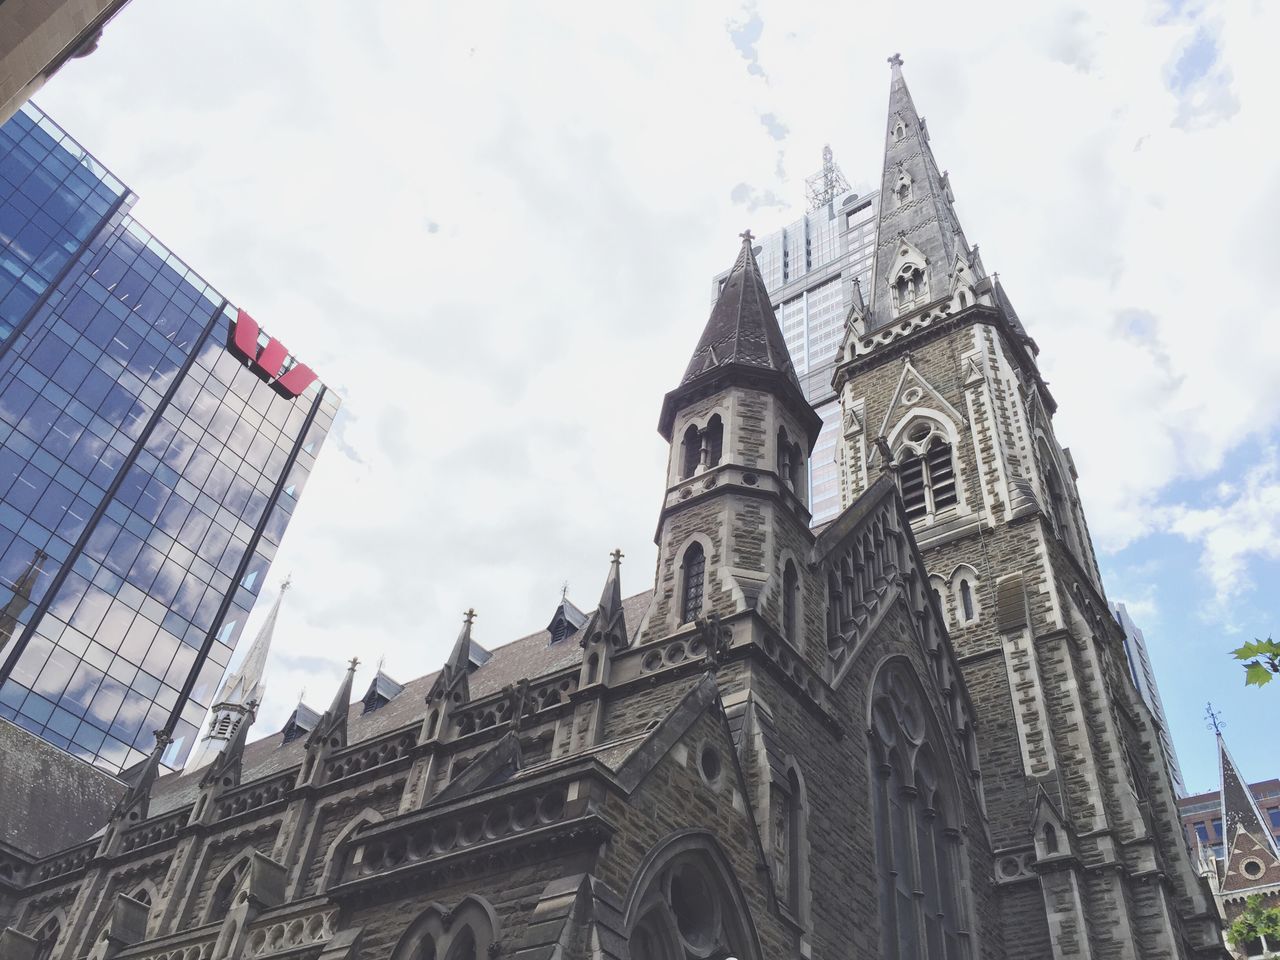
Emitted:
pixel 153 444
pixel 37 37
pixel 809 268
pixel 1144 678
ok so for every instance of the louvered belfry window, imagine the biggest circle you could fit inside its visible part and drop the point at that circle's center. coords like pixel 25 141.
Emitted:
pixel 694 568
pixel 926 471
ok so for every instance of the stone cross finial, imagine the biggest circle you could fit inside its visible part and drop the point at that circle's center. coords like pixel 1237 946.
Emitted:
pixel 895 60
pixel 355 662
pixel 617 555
pixel 469 616
pixel 747 236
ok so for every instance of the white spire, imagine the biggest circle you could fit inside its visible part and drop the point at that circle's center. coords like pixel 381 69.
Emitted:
pixel 242 688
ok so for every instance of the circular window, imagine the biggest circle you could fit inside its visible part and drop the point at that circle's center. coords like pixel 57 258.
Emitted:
pixel 911 395
pixel 1252 868
pixel 710 765
pixel 696 909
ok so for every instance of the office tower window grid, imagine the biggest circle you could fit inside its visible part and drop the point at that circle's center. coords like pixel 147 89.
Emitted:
pixel 53 196
pixel 147 476
pixel 809 267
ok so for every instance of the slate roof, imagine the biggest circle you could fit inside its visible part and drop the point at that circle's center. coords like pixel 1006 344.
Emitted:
pixel 529 657
pixel 43 789
pixel 742 328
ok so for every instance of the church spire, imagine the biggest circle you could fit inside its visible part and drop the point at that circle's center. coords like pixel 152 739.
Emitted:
pixel 332 725
pixel 1239 809
pixel 9 622
pixel 741 340
pixel 920 245
pixel 241 688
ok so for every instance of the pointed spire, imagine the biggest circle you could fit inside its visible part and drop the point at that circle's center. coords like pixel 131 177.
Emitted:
pixel 608 621
pixel 133 806
pixel 9 615
pixel 332 725
pixel 741 337
pixel 1239 808
pixel 245 683
pixel 916 218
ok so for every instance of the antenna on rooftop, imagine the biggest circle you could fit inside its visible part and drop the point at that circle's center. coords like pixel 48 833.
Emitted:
pixel 828 183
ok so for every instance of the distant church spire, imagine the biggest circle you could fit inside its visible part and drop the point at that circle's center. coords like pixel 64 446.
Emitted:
pixel 920 241
pixel 9 615
pixel 1239 808
pixel 241 688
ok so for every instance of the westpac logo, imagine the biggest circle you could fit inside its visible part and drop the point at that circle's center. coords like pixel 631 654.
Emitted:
pixel 270 360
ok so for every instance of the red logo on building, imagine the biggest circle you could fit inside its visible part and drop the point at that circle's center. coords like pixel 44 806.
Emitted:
pixel 270 359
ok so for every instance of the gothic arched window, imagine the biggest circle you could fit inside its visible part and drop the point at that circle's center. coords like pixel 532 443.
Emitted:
pixel 788 835
pixel 1050 838
pixel 966 601
pixel 690 452
pixel 790 602
pixel 47 938
pixel 834 594
pixel 693 573
pixel 470 933
pixel 919 849
pixel 926 471
pixel 713 441
pixel 221 899
pixel 685 905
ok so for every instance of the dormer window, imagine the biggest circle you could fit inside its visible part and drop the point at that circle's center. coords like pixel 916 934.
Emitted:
pixel 899 131
pixel 907 277
pixel 381 692
pixel 902 189
pixel 909 287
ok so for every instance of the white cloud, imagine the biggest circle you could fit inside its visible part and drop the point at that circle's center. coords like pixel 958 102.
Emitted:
pixel 1244 524
pixel 493 228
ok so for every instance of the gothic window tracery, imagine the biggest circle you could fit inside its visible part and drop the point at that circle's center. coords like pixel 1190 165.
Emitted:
pixel 701 449
pixel 223 894
pixel 918 846
pixel 467 932
pixel 926 471
pixel 909 287
pixel 693 575
pixel 686 911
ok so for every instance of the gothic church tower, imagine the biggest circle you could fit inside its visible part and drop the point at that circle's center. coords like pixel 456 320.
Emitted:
pixel 939 388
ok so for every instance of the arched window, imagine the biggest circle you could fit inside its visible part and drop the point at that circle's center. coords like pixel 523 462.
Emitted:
pixel 966 601
pixel 470 933
pixel 693 573
pixel 690 452
pixel 909 288
pixel 593 668
pixel 686 905
pixel 790 601
pixel 221 900
pixel 919 849
pixel 1050 838
pixel 926 471
pixel 142 895
pixel 47 938
pixel 713 441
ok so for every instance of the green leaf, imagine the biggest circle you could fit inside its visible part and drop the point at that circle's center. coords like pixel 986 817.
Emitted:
pixel 1257 674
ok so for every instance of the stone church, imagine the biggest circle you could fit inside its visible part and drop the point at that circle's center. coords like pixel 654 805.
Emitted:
pixel 909 733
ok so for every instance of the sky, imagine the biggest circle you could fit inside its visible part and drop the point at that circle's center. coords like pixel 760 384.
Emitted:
pixel 492 228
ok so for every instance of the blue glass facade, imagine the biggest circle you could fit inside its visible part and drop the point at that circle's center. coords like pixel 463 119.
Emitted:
pixel 147 472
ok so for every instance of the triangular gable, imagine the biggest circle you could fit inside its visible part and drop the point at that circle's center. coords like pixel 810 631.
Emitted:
pixel 905 401
pixel 1250 862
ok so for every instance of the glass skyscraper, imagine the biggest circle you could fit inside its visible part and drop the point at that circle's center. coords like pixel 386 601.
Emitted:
pixel 809 267
pixel 153 444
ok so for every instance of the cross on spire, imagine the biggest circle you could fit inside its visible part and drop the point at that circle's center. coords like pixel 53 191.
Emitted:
pixel 355 662
pixel 895 60
pixel 747 236
pixel 1216 723
pixel 469 616
pixel 617 555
